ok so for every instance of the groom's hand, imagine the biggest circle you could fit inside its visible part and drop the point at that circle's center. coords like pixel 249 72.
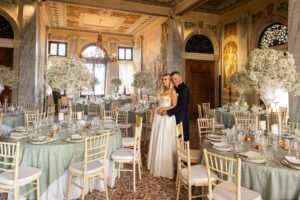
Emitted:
pixel 163 113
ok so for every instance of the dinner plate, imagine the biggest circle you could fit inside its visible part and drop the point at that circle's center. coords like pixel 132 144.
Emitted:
pixel 21 129
pixel 286 163
pixel 261 159
pixel 44 141
pixel 225 149
pixel 214 137
pixel 288 136
pixel 74 141
pixel 18 138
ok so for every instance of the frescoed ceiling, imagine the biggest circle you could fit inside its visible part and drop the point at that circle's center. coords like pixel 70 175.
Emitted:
pixel 221 6
pixel 166 3
pixel 79 17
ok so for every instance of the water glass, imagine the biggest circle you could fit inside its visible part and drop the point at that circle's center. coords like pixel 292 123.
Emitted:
pixel 289 143
pixel 297 144
pixel 268 151
pixel 223 139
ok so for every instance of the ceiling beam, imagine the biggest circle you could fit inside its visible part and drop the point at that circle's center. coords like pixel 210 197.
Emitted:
pixel 187 5
pixel 122 5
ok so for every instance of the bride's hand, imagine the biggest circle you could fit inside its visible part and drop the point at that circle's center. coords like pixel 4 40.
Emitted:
pixel 160 110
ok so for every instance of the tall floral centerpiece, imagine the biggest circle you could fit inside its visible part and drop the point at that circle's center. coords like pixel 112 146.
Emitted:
pixel 69 74
pixel 144 81
pixel 242 82
pixel 115 82
pixel 7 78
pixel 268 69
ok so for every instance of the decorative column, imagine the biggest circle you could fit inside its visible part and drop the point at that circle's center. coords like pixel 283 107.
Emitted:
pixel 174 59
pixel 294 48
pixel 28 76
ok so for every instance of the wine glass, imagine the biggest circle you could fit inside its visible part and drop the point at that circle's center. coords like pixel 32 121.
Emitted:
pixel 289 143
pixel 297 143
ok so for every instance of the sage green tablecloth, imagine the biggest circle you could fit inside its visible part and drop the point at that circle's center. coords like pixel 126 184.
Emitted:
pixel 55 157
pixel 273 182
pixel 13 120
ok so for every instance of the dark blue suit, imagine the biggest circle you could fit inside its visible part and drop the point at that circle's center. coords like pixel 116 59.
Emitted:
pixel 181 111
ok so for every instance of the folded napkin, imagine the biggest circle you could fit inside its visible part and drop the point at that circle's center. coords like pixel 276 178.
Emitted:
pixel 292 160
pixel 214 136
pixel 39 139
pixel 76 137
pixel 22 128
pixel 249 155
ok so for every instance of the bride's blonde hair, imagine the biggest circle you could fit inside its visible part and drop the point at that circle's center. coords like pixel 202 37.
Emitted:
pixel 165 91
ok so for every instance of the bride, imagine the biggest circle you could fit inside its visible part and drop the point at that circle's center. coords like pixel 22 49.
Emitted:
pixel 162 147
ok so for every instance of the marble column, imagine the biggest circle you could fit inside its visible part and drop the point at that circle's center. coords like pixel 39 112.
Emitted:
pixel 28 76
pixel 174 59
pixel 294 48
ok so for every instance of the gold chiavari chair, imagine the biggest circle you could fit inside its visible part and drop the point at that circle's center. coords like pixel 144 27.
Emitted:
pixel 92 109
pixel 128 155
pixel 30 106
pixel 41 116
pixel 123 121
pixel 206 108
pixel 79 115
pixel 51 111
pixel 246 122
pixel 241 114
pixel 101 111
pixel 224 189
pixel 199 111
pixel 111 115
pixel 13 176
pixel 291 127
pixel 50 101
pixel 205 126
pixel 147 125
pixel 30 118
pixel 115 104
pixel 190 176
pixel 93 167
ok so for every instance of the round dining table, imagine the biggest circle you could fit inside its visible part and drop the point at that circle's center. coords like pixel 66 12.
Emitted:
pixel 272 180
pixel 54 158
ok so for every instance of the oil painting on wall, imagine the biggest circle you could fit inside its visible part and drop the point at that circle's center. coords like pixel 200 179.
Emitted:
pixel 230 62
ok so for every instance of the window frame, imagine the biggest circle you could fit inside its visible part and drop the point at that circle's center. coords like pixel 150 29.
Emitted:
pixel 125 48
pixel 57 50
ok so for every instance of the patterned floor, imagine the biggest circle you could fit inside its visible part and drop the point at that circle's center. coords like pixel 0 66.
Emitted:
pixel 149 187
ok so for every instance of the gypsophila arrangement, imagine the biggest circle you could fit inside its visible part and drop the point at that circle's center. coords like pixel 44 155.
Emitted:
pixel 69 73
pixel 8 77
pixel 144 80
pixel 115 81
pixel 271 67
pixel 241 81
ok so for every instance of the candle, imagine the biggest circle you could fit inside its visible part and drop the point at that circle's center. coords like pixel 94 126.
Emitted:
pixel 60 116
pixel 5 103
pixel 262 125
pixel 245 104
pixel 274 129
pixel 79 115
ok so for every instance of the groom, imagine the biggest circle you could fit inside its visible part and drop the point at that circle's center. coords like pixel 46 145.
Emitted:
pixel 181 111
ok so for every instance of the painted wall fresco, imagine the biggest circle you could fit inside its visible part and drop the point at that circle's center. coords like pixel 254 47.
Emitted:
pixel 230 62
pixel 230 29
pixel 155 51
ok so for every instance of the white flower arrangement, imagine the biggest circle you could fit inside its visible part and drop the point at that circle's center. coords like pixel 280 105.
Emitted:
pixel 69 74
pixel 241 81
pixel 8 77
pixel 115 81
pixel 144 80
pixel 269 67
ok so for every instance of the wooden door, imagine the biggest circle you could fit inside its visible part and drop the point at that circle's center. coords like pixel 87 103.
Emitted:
pixel 6 58
pixel 200 78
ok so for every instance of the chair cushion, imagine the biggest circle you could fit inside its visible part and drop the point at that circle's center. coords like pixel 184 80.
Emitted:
pixel 194 155
pixel 92 167
pixel 124 125
pixel 26 173
pixel 64 110
pixel 124 154
pixel 128 141
pixel 246 194
pixel 198 174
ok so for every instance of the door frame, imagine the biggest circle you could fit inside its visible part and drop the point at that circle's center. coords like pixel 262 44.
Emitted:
pixel 202 56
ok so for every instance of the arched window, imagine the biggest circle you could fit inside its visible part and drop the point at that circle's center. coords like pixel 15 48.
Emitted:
pixel 199 44
pixel 96 63
pixel 6 30
pixel 274 35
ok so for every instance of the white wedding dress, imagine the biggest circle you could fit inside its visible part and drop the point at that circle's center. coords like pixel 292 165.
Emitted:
pixel 162 155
